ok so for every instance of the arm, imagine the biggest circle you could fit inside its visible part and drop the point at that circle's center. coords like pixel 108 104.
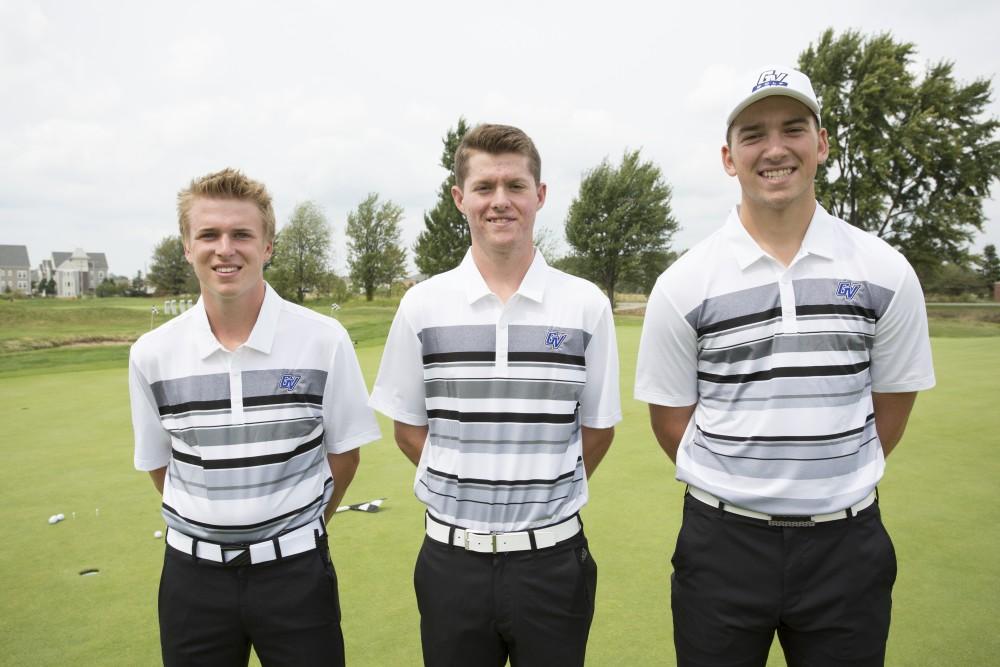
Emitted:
pixel 669 424
pixel 596 442
pixel 342 466
pixel 158 476
pixel 891 413
pixel 410 439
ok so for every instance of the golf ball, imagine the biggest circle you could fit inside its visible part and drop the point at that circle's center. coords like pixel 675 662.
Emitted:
pixel 60 516
pixel 157 534
pixel 54 519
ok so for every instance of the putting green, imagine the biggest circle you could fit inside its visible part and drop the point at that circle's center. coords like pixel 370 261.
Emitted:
pixel 67 448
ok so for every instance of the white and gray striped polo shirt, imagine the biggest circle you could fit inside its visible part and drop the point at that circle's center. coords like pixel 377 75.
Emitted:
pixel 782 361
pixel 504 390
pixel 244 434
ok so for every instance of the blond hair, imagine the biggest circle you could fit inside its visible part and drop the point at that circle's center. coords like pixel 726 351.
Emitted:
pixel 496 140
pixel 226 184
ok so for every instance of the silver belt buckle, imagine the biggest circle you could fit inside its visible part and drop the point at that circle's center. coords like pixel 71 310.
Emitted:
pixel 492 536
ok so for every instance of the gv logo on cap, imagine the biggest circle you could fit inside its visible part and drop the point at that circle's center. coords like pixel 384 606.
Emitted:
pixel 770 77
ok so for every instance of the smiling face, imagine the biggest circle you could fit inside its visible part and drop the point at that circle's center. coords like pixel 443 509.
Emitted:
pixel 226 246
pixel 774 151
pixel 500 199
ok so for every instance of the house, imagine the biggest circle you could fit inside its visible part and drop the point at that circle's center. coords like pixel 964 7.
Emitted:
pixel 15 269
pixel 77 273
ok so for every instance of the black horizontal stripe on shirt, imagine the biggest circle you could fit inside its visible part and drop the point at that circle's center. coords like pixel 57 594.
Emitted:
pixel 503 417
pixel 787 438
pixel 502 482
pixel 786 458
pixel 259 524
pixel 785 372
pixel 491 503
pixel 835 309
pixel 548 358
pixel 742 320
pixel 194 406
pixel 248 461
pixel 281 399
pixel 452 357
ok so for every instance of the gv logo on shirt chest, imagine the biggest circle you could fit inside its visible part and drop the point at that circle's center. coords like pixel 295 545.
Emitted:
pixel 554 339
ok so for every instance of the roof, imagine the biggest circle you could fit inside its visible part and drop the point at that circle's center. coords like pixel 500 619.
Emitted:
pixel 96 258
pixel 14 255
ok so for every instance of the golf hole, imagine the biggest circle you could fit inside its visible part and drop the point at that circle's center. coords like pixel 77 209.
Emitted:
pixel 89 572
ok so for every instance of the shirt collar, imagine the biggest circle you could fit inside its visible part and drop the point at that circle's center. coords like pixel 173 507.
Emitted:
pixel 819 238
pixel 532 285
pixel 261 336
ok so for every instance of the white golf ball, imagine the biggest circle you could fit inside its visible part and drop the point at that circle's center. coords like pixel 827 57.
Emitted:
pixel 157 534
pixel 60 516
pixel 53 519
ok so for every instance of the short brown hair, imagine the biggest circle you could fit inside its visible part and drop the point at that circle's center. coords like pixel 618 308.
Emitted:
pixel 495 140
pixel 226 184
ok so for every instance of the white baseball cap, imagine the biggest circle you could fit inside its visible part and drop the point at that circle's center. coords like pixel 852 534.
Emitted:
pixel 773 80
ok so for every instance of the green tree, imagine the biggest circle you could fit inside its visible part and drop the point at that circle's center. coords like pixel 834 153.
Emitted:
pixel 911 159
pixel 620 213
pixel 169 272
pixel 374 254
pixel 301 259
pixel 445 238
pixel 989 266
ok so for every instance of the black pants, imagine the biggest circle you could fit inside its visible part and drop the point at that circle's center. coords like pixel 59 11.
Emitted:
pixel 476 610
pixel 289 610
pixel 826 590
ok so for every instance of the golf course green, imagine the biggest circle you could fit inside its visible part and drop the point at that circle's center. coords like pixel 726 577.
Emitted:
pixel 67 448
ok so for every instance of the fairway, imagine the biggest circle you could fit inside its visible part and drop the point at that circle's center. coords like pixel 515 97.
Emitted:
pixel 67 448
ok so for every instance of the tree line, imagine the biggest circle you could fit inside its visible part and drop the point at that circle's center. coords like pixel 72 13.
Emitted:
pixel 912 158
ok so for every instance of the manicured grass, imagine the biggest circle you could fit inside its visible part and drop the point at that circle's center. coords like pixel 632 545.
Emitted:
pixel 68 448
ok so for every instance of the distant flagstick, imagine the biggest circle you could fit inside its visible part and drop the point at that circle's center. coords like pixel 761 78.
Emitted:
pixel 370 506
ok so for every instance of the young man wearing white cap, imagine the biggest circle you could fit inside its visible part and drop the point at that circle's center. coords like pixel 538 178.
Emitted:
pixel 780 358
pixel 502 378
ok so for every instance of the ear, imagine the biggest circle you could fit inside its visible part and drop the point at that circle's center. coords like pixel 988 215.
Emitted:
pixel 268 250
pixel 542 192
pixel 187 251
pixel 823 149
pixel 458 196
pixel 727 160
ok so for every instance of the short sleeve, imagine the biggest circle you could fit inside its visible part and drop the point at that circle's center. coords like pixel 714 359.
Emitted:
pixel 152 441
pixel 901 352
pixel 666 372
pixel 399 388
pixel 348 422
pixel 600 401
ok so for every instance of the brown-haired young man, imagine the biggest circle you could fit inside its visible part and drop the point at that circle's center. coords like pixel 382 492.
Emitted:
pixel 780 358
pixel 248 412
pixel 502 378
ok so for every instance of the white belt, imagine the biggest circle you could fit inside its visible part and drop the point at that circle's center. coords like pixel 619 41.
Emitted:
pixel 793 521
pixel 294 542
pixel 491 543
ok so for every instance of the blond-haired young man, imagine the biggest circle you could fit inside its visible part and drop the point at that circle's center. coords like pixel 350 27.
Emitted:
pixel 248 412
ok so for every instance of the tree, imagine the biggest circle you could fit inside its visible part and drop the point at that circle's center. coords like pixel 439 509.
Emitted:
pixel 989 266
pixel 547 243
pixel 620 213
pixel 169 272
pixel 910 160
pixel 374 254
pixel 138 285
pixel 301 259
pixel 445 239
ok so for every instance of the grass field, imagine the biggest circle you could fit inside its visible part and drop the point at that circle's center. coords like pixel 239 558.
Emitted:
pixel 67 448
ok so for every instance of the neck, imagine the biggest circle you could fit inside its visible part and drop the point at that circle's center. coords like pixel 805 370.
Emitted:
pixel 232 320
pixel 503 273
pixel 779 232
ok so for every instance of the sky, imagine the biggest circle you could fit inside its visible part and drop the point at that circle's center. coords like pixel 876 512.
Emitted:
pixel 109 108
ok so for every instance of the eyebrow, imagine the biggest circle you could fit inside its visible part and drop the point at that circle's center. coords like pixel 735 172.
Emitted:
pixel 756 127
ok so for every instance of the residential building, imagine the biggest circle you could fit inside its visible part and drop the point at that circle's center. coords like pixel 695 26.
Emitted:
pixel 77 273
pixel 15 269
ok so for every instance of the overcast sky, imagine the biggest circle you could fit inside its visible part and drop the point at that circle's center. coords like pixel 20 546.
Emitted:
pixel 109 108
